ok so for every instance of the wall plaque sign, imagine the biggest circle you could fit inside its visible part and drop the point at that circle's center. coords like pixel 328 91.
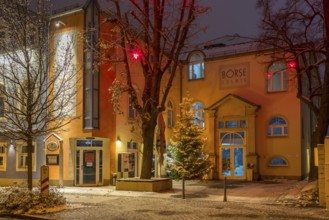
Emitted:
pixel 52 146
pixel 233 76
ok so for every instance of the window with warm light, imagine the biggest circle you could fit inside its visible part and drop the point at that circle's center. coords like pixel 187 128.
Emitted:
pixel 170 120
pixel 196 66
pixel 277 78
pixel 198 111
pixel 91 101
pixel 277 126
pixel 2 156
pixel 21 157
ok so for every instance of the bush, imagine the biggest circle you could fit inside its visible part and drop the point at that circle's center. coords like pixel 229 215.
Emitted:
pixel 21 199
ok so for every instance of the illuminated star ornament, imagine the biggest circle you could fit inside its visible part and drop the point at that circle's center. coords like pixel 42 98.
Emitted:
pixel 136 54
pixel 292 64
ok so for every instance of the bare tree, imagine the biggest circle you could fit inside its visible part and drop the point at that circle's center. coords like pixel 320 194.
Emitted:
pixel 38 84
pixel 157 31
pixel 298 30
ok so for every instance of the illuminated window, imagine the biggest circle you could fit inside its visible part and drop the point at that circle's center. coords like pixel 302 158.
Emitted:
pixel 91 80
pixel 277 78
pixel 198 111
pixel 170 119
pixel 277 127
pixel 278 161
pixel 2 156
pixel 131 110
pixel 196 66
pixel 21 157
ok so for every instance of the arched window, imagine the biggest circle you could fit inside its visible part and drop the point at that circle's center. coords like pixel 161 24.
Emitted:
pixel 196 66
pixel 170 119
pixel 232 139
pixel 198 111
pixel 278 161
pixel 277 126
pixel 277 78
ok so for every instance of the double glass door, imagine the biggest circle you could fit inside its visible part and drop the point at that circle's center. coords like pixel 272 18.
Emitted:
pixel 89 166
pixel 232 155
pixel 232 162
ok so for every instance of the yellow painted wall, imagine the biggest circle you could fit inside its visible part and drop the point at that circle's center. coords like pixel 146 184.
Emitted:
pixel 283 104
pixel 75 130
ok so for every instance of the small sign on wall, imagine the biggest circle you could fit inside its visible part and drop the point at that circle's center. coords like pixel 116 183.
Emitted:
pixel 52 146
pixel 52 159
pixel 233 76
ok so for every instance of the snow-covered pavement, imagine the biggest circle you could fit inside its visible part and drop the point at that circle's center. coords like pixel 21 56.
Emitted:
pixel 245 200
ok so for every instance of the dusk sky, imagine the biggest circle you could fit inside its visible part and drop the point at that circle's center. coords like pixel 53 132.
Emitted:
pixel 229 17
pixel 225 17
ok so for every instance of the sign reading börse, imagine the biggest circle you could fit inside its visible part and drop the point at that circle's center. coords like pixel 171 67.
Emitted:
pixel 235 75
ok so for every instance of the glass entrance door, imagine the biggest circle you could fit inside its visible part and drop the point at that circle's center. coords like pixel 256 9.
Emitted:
pixel 232 156
pixel 88 167
pixel 232 162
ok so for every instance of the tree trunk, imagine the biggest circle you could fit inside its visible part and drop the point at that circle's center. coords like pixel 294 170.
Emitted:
pixel 183 188
pixel 148 129
pixel 29 162
pixel 321 127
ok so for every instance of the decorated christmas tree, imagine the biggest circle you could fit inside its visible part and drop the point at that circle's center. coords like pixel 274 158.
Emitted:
pixel 186 158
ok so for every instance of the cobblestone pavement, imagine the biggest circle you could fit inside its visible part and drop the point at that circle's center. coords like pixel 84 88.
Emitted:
pixel 203 201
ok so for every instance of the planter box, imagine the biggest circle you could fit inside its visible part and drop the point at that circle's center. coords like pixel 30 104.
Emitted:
pixel 144 185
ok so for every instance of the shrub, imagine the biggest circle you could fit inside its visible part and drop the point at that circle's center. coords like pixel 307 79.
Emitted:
pixel 21 199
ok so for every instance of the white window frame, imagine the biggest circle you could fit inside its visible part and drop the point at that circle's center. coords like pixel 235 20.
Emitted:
pixel 280 126
pixel 278 165
pixel 20 154
pixel 196 60
pixel 277 70
pixel 201 113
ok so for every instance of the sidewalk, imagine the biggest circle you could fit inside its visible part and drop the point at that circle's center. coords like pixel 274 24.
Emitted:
pixel 269 192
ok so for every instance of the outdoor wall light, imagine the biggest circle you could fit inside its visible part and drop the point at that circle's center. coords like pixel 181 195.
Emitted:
pixel 118 142
pixel 59 23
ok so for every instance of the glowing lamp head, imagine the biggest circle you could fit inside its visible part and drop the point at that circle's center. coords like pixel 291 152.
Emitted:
pixel 269 75
pixel 118 142
pixel 292 64
pixel 136 54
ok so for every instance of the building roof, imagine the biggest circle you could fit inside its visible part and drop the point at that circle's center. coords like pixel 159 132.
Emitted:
pixel 58 7
pixel 225 46
pixel 226 40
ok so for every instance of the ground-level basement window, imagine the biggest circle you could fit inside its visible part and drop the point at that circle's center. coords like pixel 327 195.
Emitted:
pixel 278 161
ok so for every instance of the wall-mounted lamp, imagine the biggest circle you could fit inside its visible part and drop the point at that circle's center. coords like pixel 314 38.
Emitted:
pixel 118 142
pixel 59 23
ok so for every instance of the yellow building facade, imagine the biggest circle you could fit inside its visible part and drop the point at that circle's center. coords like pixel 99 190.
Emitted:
pixel 245 103
pixel 84 155
pixel 248 109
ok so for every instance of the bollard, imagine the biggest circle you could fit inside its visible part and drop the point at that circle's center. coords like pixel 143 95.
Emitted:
pixel 225 199
pixel 44 180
